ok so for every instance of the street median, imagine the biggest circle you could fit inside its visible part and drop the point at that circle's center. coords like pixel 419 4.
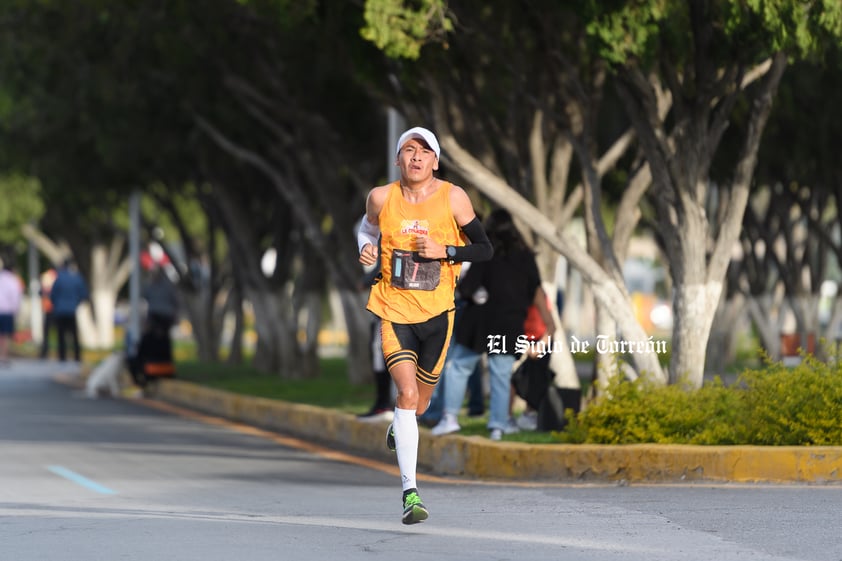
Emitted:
pixel 480 458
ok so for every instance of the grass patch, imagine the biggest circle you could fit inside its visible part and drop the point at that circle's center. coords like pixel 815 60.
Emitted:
pixel 476 426
pixel 331 389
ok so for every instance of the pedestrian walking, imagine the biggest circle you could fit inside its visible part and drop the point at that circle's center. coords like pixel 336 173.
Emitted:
pixel 11 294
pixel 69 290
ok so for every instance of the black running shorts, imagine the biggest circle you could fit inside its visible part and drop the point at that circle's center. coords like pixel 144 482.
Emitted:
pixel 425 344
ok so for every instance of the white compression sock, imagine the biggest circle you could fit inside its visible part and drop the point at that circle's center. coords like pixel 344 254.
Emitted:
pixel 406 445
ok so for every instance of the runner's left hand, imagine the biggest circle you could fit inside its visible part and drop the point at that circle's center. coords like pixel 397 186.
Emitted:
pixel 428 248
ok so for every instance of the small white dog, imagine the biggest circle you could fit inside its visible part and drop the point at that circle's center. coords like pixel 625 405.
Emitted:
pixel 105 378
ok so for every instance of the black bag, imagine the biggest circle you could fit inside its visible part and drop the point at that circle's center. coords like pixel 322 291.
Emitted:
pixel 153 358
pixel 551 411
pixel 532 379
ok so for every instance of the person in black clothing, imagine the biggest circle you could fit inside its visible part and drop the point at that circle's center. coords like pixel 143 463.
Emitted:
pixel 68 292
pixel 154 354
pixel 476 390
pixel 383 407
pixel 512 283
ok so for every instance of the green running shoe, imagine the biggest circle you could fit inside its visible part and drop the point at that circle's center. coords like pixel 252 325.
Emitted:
pixel 414 510
pixel 390 438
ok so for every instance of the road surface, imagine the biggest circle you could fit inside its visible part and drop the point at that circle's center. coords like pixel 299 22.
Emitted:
pixel 112 480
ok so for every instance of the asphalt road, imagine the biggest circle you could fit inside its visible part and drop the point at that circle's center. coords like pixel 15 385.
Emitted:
pixel 115 480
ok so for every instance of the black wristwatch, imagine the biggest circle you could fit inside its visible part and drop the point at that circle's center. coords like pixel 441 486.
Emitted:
pixel 451 254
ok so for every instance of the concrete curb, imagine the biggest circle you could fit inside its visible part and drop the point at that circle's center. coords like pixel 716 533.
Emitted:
pixel 480 458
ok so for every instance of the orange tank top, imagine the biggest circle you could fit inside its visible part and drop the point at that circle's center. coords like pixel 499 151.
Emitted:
pixel 412 289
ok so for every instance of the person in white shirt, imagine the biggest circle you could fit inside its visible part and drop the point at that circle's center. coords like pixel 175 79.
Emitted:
pixel 11 293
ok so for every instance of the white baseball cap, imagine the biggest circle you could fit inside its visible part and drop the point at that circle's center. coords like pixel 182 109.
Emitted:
pixel 420 133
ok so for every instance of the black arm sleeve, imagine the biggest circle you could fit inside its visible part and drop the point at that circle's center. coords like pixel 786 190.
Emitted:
pixel 479 249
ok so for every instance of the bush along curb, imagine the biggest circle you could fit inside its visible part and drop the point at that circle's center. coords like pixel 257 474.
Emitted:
pixel 480 458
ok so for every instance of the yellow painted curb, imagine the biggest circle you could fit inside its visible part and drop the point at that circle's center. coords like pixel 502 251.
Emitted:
pixel 481 458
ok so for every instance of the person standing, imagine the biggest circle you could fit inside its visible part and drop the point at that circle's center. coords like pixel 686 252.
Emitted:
pixel 162 303
pixel 476 392
pixel 153 356
pixel 383 407
pixel 418 221
pixel 11 294
pixel 69 290
pixel 48 277
pixel 511 283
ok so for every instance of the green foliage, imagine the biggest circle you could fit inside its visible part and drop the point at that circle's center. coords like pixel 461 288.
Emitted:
pixel 637 412
pixel 798 26
pixel 792 152
pixel 22 204
pixel 400 31
pixel 627 29
pixel 795 406
pixel 751 29
pixel 774 405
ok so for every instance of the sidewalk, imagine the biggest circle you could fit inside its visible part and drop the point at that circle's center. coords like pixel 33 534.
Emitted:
pixel 24 367
pixel 481 458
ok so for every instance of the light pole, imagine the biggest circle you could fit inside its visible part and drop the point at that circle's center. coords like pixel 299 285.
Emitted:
pixel 35 315
pixel 396 125
pixel 133 335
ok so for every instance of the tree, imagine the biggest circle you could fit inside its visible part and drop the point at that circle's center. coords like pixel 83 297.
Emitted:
pixel 187 217
pixel 148 107
pixel 798 238
pixel 64 129
pixel 291 129
pixel 22 204
pixel 696 56
pixel 699 53
pixel 514 115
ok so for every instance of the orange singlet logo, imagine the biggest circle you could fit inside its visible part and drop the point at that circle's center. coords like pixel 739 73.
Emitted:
pixel 418 227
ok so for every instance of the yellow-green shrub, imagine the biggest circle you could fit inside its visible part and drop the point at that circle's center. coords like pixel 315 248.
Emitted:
pixel 794 406
pixel 773 405
pixel 636 412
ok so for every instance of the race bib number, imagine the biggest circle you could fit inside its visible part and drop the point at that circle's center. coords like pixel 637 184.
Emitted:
pixel 410 271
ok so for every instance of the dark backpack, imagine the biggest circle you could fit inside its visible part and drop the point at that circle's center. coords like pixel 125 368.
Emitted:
pixel 551 412
pixel 532 379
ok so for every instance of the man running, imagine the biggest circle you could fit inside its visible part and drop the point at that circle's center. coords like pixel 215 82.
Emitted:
pixel 419 221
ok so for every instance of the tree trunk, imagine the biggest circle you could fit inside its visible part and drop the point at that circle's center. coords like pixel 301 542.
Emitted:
pixel 561 362
pixel 606 364
pixel 86 326
pixel 205 334
pixel 721 347
pixel 766 316
pixel 833 330
pixel 694 306
pixel 806 310
pixel 309 322
pixel 358 323
pixel 310 290
pixel 234 305
pixel 605 288
pixel 276 345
